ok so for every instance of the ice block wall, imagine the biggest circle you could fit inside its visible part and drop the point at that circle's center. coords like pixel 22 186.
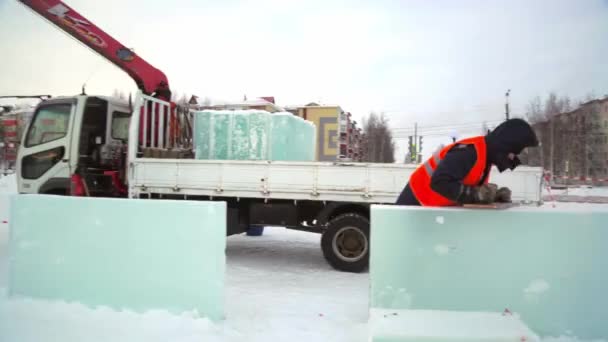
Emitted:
pixel 121 253
pixel 253 135
pixel 547 265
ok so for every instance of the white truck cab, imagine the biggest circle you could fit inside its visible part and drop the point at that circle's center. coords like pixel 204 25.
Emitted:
pixel 69 133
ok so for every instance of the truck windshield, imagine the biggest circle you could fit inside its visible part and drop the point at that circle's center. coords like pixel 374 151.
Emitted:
pixel 120 125
pixel 50 123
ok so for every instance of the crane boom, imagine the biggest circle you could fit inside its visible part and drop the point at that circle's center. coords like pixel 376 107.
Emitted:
pixel 149 80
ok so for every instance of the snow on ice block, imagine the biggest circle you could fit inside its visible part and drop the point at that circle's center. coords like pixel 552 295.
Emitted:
pixel 442 326
pixel 548 266
pixel 121 253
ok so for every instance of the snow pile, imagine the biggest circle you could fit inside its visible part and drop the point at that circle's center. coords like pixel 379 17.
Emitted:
pixel 417 325
pixel 580 191
pixel 33 320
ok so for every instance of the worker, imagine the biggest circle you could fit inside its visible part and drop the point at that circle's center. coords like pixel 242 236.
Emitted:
pixel 459 173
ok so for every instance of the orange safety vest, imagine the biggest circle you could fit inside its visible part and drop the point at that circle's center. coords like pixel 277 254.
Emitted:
pixel 420 181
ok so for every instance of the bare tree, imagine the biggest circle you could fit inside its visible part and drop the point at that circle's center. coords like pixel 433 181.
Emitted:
pixel 572 136
pixel 534 110
pixel 380 144
pixel 544 115
pixel 590 96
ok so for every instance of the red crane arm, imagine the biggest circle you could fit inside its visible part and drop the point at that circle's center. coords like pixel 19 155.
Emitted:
pixel 150 80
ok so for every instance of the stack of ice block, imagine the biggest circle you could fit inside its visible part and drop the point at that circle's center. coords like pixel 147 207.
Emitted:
pixel 253 135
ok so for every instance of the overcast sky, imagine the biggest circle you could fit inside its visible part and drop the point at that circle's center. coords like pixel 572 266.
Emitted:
pixel 434 62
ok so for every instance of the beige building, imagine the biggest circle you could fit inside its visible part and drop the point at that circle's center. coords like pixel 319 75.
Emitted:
pixel 338 137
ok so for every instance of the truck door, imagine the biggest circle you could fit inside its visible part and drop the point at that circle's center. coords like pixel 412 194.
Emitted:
pixel 43 158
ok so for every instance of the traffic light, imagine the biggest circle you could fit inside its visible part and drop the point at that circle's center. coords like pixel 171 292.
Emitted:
pixel 415 153
pixel 420 144
pixel 410 144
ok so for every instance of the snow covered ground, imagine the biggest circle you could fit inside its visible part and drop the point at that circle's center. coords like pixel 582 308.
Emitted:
pixel 278 288
pixel 582 194
pixel 580 191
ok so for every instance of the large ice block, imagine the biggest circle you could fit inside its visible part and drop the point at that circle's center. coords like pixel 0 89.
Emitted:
pixel 546 265
pixel 253 135
pixel 259 127
pixel 119 253
pixel 282 146
pixel 220 142
pixel 240 149
pixel 201 136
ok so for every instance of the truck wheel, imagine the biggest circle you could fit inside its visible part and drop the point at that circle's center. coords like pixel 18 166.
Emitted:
pixel 345 243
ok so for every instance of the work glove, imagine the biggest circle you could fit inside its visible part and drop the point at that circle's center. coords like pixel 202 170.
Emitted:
pixel 486 193
pixel 503 195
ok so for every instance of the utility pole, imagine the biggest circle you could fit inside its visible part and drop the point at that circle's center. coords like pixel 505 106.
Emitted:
pixel 552 146
pixel 507 103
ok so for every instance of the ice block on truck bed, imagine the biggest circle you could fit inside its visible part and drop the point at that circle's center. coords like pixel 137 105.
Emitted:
pixel 545 264
pixel 252 135
pixel 121 253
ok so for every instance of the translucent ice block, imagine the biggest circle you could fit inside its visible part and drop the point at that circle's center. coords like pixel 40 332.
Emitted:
pixel 240 136
pixel 120 253
pixel 259 127
pixel 220 136
pixel 547 265
pixel 282 130
pixel 299 134
pixel 202 131
pixel 253 135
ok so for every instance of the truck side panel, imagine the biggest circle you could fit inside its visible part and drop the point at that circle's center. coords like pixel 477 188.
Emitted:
pixel 368 183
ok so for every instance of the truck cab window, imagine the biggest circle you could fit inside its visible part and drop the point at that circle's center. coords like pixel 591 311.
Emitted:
pixel 120 125
pixel 50 123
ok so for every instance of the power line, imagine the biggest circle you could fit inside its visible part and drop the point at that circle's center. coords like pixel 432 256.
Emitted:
pixel 487 122
pixel 439 131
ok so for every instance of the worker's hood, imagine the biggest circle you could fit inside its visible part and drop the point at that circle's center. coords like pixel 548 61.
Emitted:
pixel 511 136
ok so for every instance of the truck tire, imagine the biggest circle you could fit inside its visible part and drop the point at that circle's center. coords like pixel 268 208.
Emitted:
pixel 345 243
